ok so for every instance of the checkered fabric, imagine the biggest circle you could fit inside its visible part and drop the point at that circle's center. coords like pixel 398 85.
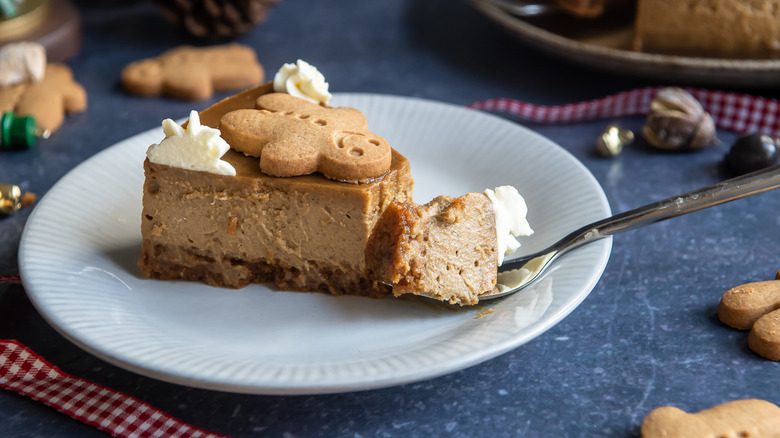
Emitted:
pixel 119 414
pixel 11 278
pixel 731 111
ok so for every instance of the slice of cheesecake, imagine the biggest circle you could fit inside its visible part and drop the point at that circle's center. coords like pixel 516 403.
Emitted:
pixel 305 233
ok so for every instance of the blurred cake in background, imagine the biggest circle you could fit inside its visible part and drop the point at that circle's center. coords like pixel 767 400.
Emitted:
pixel 704 28
pixel 709 28
pixel 720 29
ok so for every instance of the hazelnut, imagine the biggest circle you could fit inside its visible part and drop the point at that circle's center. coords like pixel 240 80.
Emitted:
pixel 677 121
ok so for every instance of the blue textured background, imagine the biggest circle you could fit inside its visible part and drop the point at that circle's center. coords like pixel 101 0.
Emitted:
pixel 647 336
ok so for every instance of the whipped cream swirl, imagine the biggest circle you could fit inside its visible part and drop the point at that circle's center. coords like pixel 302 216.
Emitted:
pixel 197 147
pixel 302 80
pixel 511 211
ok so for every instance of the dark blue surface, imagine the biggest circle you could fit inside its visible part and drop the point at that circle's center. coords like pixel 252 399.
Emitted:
pixel 647 336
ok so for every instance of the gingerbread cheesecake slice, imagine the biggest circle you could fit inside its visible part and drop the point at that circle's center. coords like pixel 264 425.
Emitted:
pixel 305 233
pixel 450 248
pixel 211 214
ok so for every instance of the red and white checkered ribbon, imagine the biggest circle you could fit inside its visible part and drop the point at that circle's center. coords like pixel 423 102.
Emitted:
pixel 731 111
pixel 11 278
pixel 119 414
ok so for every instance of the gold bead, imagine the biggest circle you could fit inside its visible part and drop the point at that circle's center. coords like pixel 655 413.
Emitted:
pixel 612 141
pixel 10 199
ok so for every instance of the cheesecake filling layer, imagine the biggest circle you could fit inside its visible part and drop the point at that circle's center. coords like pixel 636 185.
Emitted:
pixel 303 233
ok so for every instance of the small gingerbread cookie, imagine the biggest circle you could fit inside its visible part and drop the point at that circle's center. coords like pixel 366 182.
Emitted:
pixel 50 98
pixel 764 336
pixel 191 73
pixel 739 418
pixel 47 100
pixel 755 306
pixel 295 137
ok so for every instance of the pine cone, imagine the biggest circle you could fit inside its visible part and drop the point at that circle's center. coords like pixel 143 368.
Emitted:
pixel 216 19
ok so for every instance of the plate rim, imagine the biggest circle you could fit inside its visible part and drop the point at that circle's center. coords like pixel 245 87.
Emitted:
pixel 452 366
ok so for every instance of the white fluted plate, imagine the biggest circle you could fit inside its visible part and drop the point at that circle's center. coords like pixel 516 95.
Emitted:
pixel 80 246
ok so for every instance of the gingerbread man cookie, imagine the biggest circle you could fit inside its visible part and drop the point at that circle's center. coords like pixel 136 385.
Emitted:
pixel 739 418
pixel 295 137
pixel 191 73
pixel 755 306
pixel 47 100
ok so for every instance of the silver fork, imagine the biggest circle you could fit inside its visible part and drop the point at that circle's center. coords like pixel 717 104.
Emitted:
pixel 539 263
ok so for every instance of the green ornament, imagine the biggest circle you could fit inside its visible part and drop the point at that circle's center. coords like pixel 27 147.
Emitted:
pixel 18 132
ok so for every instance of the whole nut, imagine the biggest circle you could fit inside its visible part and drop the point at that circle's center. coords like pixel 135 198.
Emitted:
pixel 752 152
pixel 677 121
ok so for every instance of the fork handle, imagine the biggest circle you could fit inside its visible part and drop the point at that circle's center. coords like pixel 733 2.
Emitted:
pixel 725 191
pixel 709 196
